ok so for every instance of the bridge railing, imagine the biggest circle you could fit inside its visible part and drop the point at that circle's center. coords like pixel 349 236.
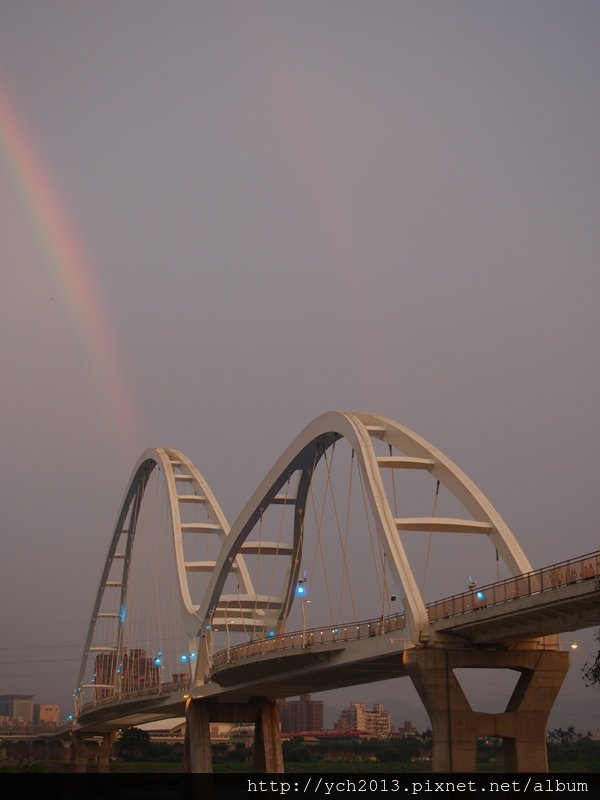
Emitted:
pixel 148 691
pixel 563 573
pixel 305 640
pixel 541 580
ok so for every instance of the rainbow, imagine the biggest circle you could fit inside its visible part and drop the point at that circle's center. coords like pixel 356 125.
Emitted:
pixel 72 270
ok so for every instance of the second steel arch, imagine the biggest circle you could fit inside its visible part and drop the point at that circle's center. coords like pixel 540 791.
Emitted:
pixel 359 429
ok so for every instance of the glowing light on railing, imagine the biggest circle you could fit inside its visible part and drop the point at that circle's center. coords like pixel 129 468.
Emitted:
pixel 183 659
pixel 271 634
pixel 301 590
pixel 192 655
pixel 157 662
pixel 480 596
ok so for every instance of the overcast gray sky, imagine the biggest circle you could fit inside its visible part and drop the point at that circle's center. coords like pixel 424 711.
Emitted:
pixel 221 219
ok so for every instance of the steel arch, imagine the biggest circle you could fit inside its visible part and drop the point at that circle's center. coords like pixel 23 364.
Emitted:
pixel 359 429
pixel 176 469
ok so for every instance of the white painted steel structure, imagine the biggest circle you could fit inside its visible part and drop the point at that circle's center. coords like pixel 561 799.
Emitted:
pixel 360 429
pixel 262 613
pixel 185 485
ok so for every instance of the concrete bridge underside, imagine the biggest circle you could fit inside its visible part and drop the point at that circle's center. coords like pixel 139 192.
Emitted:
pixel 247 693
pixel 486 637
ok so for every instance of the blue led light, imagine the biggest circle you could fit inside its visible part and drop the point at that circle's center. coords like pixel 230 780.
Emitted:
pixel 157 662
pixel 122 613
pixel 183 659
pixel 192 655
pixel 271 634
pixel 301 590
pixel 480 596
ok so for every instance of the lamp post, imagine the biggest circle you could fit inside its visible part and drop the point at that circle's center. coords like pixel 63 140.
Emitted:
pixel 301 592
pixel 227 630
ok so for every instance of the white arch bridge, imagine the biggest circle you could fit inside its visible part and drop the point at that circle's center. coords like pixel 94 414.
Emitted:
pixel 323 581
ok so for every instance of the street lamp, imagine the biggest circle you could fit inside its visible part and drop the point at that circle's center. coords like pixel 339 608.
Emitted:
pixel 227 630
pixel 301 589
pixel 158 664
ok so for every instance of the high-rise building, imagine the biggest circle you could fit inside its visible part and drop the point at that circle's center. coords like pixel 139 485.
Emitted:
pixel 301 715
pixel 17 707
pixel 357 717
pixel 408 729
pixel 135 671
pixel 45 714
pixel 104 674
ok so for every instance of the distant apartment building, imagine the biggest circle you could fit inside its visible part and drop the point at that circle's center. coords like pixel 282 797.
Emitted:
pixel 18 707
pixel 301 715
pixel 135 670
pixel 46 714
pixel 408 729
pixel 357 717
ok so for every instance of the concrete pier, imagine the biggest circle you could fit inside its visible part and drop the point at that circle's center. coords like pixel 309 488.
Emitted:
pixel 268 754
pixel 456 726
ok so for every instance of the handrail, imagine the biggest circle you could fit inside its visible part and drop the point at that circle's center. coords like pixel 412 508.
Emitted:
pixel 157 690
pixel 305 640
pixel 563 573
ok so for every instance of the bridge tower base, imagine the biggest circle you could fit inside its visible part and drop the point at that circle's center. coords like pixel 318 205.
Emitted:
pixel 268 754
pixel 456 726
pixel 198 753
pixel 85 750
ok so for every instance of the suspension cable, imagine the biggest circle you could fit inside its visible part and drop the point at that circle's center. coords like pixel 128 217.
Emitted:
pixel 344 546
pixel 278 542
pixel 368 518
pixel 429 540
pixel 394 486
pixel 318 544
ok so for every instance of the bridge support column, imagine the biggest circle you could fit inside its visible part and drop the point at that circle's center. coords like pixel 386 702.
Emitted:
pixel 97 751
pixel 80 753
pixel 65 751
pixel 456 726
pixel 268 753
pixel 104 751
pixel 198 753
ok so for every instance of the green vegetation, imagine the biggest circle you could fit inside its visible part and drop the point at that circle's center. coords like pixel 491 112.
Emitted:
pixel 568 751
pixel 591 672
pixel 135 746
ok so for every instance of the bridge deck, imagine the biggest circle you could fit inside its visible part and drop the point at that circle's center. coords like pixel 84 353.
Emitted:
pixel 552 600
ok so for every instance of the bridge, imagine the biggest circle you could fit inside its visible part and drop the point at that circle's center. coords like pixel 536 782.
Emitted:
pixel 321 583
